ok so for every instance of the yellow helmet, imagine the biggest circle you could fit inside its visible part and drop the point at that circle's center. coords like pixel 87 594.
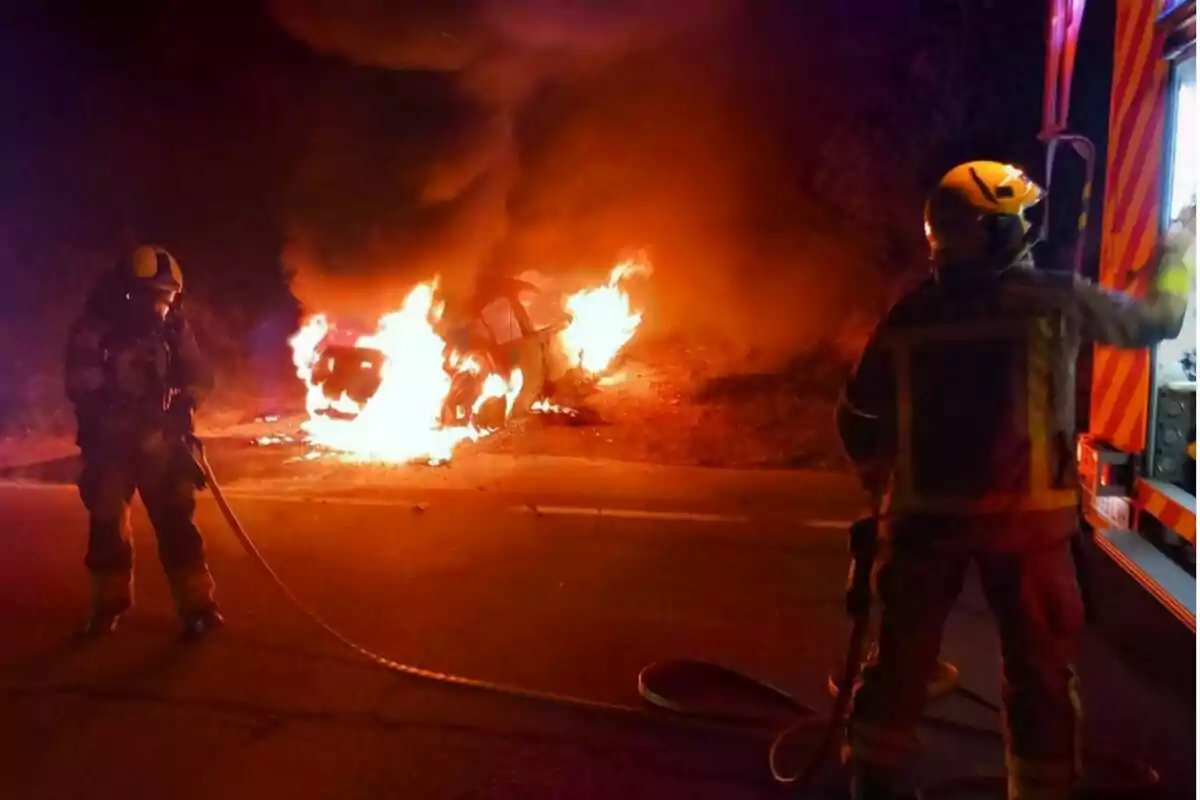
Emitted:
pixel 157 267
pixel 977 213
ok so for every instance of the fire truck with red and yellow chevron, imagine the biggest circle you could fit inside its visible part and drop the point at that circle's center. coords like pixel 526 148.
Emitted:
pixel 1138 457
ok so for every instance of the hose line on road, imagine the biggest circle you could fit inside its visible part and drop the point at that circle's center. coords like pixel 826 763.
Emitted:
pixel 407 669
pixel 1142 781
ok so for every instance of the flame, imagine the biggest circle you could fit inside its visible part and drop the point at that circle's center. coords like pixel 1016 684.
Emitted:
pixel 546 407
pixel 495 386
pixel 402 420
pixel 276 438
pixel 602 321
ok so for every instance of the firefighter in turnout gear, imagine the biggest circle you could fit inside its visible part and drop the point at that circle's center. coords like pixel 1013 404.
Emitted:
pixel 134 375
pixel 960 419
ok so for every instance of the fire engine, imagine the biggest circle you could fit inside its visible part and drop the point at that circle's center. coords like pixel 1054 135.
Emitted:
pixel 1137 459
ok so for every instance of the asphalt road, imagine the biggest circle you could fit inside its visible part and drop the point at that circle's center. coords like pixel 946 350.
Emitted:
pixel 499 569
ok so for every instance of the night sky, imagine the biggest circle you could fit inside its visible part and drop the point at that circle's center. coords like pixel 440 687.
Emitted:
pixel 772 155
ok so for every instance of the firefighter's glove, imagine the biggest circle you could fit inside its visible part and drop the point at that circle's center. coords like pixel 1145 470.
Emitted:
pixel 1181 233
pixel 875 476
pixel 864 547
pixel 191 454
pixel 1176 272
pixel 179 421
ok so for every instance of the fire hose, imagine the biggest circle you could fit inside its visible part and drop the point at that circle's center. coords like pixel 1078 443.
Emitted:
pixel 1143 778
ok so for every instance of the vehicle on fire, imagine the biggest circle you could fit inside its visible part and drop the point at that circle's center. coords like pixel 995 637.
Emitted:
pixel 349 370
pixel 492 334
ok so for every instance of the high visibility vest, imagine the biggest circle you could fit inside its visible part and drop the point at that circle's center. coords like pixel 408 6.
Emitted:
pixel 984 416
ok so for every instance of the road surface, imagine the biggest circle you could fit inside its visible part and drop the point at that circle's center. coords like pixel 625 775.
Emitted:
pixel 500 569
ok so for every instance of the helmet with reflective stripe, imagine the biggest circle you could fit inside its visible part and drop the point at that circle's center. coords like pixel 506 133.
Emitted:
pixel 157 267
pixel 976 214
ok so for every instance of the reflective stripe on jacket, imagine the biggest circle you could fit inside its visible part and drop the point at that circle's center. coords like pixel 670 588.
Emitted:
pixel 966 390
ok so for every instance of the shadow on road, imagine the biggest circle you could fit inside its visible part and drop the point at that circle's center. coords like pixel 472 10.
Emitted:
pixel 232 458
pixel 58 470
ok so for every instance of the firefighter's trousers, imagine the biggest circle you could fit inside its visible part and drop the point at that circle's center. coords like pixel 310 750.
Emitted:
pixel 1036 601
pixel 161 473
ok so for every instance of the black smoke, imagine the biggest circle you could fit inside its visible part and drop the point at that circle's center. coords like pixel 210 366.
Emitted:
pixel 771 156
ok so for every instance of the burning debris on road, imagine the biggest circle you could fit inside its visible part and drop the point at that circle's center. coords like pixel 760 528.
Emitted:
pixel 427 379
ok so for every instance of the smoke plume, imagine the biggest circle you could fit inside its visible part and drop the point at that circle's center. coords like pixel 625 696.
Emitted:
pixel 506 135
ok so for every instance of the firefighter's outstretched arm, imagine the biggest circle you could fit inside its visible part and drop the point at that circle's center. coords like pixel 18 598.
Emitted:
pixel 1119 320
pixel 866 416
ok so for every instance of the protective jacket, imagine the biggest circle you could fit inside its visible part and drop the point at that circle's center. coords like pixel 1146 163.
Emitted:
pixel 961 411
pixel 129 374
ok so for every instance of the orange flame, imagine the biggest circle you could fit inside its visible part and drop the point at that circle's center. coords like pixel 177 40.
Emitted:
pixel 402 419
pixel 602 321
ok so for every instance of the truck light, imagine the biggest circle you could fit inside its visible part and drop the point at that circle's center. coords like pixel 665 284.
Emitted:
pixel 1103 470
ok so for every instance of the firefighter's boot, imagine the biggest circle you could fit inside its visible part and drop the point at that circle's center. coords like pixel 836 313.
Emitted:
pixel 98 624
pixel 112 596
pixel 192 591
pixel 199 623
pixel 943 681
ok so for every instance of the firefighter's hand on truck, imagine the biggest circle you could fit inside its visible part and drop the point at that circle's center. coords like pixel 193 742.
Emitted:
pixel 1181 233
pixel 1177 267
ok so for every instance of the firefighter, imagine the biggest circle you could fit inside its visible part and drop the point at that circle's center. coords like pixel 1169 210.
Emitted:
pixel 959 418
pixel 134 376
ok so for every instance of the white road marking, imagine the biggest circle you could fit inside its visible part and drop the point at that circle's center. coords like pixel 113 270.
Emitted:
pixel 382 502
pixel 242 494
pixel 839 524
pixel 422 505
pixel 627 513
pixel 24 485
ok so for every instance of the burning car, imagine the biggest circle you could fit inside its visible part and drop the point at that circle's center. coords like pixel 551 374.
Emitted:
pixel 497 335
pixel 432 375
pixel 345 369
